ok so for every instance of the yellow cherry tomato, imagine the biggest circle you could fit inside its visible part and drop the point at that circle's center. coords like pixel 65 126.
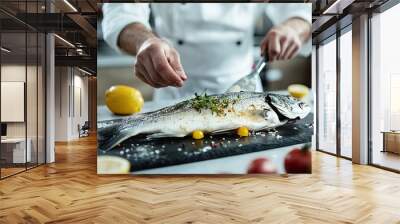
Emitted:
pixel 124 100
pixel 243 131
pixel 198 134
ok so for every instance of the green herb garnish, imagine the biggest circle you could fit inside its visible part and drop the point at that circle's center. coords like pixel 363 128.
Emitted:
pixel 216 105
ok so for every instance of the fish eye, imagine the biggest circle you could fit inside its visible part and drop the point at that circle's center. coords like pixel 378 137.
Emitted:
pixel 301 104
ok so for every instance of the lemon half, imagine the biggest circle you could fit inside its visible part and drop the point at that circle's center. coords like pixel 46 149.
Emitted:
pixel 298 91
pixel 112 165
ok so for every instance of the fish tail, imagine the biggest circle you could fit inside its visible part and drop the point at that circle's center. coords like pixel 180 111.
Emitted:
pixel 110 136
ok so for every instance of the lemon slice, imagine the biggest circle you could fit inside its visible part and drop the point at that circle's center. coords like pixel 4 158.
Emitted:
pixel 112 165
pixel 298 91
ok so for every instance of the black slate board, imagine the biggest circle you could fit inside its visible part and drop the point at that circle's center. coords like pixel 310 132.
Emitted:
pixel 146 154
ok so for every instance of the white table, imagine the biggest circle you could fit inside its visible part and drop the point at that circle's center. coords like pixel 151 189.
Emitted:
pixel 19 153
pixel 232 164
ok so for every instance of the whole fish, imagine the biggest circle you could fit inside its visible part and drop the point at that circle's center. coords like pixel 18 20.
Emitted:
pixel 210 114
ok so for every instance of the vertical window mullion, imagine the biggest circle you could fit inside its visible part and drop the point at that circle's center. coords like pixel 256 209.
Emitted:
pixel 26 87
pixel 317 97
pixel 338 80
pixel 369 77
pixel 37 89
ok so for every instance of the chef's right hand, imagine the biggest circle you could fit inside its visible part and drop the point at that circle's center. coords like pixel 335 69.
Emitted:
pixel 158 64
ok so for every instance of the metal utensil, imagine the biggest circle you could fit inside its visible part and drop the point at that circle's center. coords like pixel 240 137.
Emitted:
pixel 248 83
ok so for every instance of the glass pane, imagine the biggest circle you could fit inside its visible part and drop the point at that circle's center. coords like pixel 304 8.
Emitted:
pixel 41 98
pixel 385 84
pixel 32 86
pixel 313 87
pixel 327 97
pixel 13 86
pixel 346 94
pixel 31 98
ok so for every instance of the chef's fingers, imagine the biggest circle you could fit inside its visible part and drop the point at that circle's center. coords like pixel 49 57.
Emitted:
pixel 142 74
pixel 162 66
pixel 139 74
pixel 140 70
pixel 153 75
pixel 175 62
pixel 274 47
pixel 288 49
pixel 263 45
pixel 165 78
pixel 292 51
pixel 284 43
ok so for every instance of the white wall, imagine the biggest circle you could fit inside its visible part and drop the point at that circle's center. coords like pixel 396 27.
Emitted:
pixel 79 117
pixel 82 82
pixel 70 83
pixel 33 126
pixel 61 104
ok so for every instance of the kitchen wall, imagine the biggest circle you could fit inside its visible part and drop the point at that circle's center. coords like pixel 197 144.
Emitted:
pixel 71 102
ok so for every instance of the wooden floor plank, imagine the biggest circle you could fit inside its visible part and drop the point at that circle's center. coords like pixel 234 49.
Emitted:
pixel 69 191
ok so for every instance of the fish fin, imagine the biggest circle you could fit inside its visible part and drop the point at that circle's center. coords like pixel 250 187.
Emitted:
pixel 164 135
pixel 221 131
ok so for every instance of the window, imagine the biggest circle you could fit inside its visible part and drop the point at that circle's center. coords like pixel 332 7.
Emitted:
pixel 346 94
pixel 22 76
pixel 327 97
pixel 385 89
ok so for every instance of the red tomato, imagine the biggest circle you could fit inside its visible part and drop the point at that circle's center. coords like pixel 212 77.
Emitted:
pixel 261 165
pixel 298 161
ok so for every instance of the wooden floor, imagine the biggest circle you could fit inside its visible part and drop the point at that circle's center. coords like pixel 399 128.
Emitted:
pixel 69 191
pixel 387 159
pixel 10 171
pixel 5 172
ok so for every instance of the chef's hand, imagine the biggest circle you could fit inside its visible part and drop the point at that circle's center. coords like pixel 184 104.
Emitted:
pixel 158 64
pixel 284 41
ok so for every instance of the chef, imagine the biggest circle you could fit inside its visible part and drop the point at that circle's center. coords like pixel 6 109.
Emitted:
pixel 198 47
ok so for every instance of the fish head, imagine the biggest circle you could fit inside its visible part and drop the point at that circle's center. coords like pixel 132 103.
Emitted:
pixel 287 106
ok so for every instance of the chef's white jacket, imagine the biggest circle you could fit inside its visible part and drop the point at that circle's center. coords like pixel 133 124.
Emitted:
pixel 215 40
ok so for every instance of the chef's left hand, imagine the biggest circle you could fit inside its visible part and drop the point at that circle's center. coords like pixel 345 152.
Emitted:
pixel 284 41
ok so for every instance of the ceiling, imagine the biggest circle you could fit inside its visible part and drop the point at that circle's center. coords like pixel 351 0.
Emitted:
pixel 73 20
pixel 331 15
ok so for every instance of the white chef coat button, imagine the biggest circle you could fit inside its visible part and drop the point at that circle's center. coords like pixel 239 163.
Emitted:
pixel 238 43
pixel 180 42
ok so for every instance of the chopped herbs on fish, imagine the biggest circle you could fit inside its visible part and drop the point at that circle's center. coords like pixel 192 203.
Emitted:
pixel 215 104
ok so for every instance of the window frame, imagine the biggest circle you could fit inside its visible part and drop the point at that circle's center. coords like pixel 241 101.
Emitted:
pixel 333 37
pixel 381 9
